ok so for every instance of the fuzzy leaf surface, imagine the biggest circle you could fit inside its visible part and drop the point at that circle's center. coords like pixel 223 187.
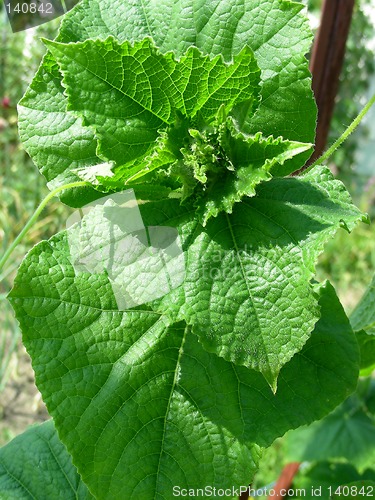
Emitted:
pixel 35 464
pixel 276 31
pixel 219 168
pixel 134 97
pixel 248 292
pixel 251 160
pixel 141 405
pixel 128 93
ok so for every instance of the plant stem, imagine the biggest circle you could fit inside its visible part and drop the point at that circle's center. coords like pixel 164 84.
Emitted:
pixel 34 217
pixel 343 137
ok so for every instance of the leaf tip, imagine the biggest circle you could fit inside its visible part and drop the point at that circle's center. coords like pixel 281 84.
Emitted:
pixel 366 218
pixel 271 379
pixel 48 43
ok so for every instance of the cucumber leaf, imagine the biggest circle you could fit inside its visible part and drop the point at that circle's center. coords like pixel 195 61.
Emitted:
pixel 248 294
pixel 363 316
pixel 146 110
pixel 352 422
pixel 140 103
pixel 139 403
pixel 362 320
pixel 276 31
pixel 35 464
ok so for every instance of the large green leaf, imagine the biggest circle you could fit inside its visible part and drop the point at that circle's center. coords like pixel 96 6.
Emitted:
pixel 142 104
pixel 248 291
pixel 276 31
pixel 36 465
pixel 138 402
pixel 127 93
pixel 366 342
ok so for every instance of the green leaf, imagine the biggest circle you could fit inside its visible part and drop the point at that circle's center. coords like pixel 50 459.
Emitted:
pixel 59 143
pixel 55 139
pixel 363 316
pixel 249 160
pixel 128 93
pixel 366 344
pixel 362 320
pixel 36 465
pixel 133 98
pixel 370 398
pixel 277 31
pixel 321 480
pixel 328 439
pixel 138 402
pixel 248 292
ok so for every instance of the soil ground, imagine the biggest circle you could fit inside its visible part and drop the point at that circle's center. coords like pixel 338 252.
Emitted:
pixel 20 402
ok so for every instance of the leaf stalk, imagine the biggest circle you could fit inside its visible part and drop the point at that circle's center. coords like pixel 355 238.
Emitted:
pixel 325 156
pixel 35 216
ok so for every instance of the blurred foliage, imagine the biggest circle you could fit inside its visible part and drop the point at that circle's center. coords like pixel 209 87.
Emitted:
pixel 327 439
pixel 348 262
pixel 358 69
pixel 355 81
pixel 336 450
pixel 271 465
pixel 21 186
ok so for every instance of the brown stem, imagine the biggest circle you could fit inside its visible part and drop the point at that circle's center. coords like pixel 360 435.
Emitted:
pixel 285 480
pixel 326 63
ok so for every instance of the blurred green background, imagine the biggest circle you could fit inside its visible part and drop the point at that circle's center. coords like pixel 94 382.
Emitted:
pixel 21 190
pixel 348 262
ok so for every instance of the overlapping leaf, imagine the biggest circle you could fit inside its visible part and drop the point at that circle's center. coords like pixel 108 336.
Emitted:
pixel 128 92
pixel 141 405
pixel 362 320
pixel 141 103
pixel 169 392
pixel 352 422
pixel 248 291
pixel 58 142
pixel 363 317
pixel 36 465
